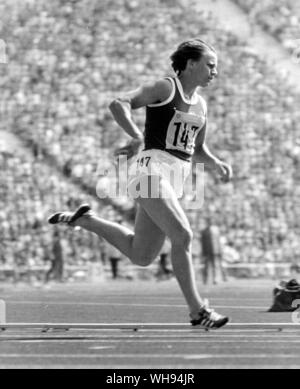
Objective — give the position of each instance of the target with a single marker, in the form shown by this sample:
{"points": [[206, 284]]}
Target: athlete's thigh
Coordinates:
{"points": [[148, 237], [166, 212]]}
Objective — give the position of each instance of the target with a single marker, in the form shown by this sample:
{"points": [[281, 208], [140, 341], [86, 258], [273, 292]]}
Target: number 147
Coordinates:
{"points": [[185, 134]]}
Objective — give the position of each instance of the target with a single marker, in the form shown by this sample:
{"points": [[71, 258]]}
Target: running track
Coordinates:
{"points": [[246, 301]]}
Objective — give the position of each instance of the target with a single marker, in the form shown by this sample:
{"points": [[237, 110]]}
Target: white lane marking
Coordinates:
{"points": [[114, 366], [45, 303], [182, 334], [239, 356], [153, 356], [176, 299], [210, 341], [91, 355], [194, 336]]}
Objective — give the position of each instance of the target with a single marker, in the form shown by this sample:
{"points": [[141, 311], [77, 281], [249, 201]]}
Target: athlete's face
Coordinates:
{"points": [[205, 70]]}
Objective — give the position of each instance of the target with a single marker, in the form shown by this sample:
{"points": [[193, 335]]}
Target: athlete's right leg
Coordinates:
{"points": [[167, 213]]}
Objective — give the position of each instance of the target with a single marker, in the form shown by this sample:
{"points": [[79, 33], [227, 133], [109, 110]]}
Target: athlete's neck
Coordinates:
{"points": [[188, 86]]}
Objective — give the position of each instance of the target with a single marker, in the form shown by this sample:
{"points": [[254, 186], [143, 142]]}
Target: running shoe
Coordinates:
{"points": [[69, 217], [209, 319]]}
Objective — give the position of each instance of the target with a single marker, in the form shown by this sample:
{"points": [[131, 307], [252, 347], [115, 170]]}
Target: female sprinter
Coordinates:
{"points": [[175, 128]]}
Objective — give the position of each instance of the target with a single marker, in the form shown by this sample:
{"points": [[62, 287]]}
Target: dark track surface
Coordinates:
{"points": [[246, 301]]}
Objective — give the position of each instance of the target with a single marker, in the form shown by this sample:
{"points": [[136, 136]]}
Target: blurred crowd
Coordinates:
{"points": [[30, 191], [281, 18], [67, 59]]}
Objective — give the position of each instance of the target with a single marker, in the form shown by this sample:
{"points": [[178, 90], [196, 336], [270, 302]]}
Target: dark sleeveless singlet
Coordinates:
{"points": [[174, 124]]}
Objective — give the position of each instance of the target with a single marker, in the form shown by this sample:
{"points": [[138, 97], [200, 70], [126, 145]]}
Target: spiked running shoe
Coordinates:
{"points": [[209, 319], [69, 217]]}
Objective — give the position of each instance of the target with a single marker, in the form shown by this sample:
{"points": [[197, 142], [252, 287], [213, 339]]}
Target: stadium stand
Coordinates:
{"points": [[280, 18], [67, 59], [31, 190]]}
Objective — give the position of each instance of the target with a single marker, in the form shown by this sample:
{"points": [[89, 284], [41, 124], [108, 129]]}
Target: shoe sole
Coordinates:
{"points": [[54, 219]]}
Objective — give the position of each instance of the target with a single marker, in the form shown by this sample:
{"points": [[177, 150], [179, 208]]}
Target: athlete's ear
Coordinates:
{"points": [[190, 63]]}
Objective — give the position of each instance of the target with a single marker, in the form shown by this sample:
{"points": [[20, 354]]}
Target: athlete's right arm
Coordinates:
{"points": [[121, 110], [147, 94]]}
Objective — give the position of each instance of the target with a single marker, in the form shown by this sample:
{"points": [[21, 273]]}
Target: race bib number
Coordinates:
{"points": [[143, 161], [183, 130], [142, 165]]}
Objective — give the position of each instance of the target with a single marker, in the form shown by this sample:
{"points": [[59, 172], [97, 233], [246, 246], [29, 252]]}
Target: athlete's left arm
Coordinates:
{"points": [[203, 155]]}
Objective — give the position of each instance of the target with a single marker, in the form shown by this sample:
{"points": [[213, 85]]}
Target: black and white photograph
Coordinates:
{"points": [[150, 187]]}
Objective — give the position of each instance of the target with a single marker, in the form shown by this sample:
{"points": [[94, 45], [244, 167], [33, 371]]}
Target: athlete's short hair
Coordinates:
{"points": [[191, 49]]}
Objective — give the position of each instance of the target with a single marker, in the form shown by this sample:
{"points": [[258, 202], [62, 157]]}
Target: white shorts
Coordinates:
{"points": [[156, 164]]}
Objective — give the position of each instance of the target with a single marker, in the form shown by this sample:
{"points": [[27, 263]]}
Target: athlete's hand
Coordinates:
{"points": [[131, 148], [224, 170]]}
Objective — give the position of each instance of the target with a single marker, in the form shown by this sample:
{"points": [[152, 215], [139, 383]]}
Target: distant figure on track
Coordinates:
{"points": [[57, 263], [212, 252], [114, 257], [164, 271], [175, 130]]}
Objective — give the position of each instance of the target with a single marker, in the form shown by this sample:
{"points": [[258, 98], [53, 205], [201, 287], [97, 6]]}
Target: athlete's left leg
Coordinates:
{"points": [[141, 246]]}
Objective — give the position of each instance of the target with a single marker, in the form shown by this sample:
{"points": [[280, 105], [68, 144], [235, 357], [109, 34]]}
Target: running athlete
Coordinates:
{"points": [[175, 130]]}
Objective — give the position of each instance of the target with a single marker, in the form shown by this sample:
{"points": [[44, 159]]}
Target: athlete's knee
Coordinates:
{"points": [[182, 237]]}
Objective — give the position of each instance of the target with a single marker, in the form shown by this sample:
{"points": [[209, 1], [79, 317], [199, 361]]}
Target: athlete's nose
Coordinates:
{"points": [[214, 72]]}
